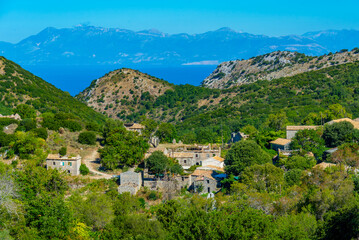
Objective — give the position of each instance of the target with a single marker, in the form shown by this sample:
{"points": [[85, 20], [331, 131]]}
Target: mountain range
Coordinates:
{"points": [[89, 45]]}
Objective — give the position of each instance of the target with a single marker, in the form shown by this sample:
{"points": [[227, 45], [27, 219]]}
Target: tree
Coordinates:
{"points": [[157, 162], [292, 177], [63, 151], [88, 138], [277, 121], [166, 132], [122, 147], [266, 177], [336, 111], [26, 125], [347, 154], [150, 127], [40, 132], [96, 210], [338, 133], [300, 226], [343, 224], [300, 162], [250, 130], [28, 146], [244, 154], [309, 141], [25, 111]]}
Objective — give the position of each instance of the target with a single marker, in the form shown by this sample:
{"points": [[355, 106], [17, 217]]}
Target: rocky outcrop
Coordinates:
{"points": [[273, 66]]}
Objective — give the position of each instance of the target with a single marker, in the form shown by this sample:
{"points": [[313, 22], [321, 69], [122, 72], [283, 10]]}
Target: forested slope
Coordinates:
{"points": [[205, 113], [18, 86]]}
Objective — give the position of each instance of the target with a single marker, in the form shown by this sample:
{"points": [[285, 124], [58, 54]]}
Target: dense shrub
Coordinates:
{"points": [[88, 138], [40, 132], [63, 151], [84, 170]]}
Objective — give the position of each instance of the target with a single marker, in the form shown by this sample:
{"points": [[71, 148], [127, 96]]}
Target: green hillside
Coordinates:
{"points": [[19, 86], [200, 112]]}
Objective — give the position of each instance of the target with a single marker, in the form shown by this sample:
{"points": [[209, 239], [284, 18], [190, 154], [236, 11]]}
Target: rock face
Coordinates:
{"points": [[119, 91], [273, 66]]}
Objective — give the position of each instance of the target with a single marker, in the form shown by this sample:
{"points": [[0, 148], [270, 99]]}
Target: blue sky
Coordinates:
{"points": [[19, 19]]}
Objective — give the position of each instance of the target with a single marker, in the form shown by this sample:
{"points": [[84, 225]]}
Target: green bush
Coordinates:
{"points": [[84, 170], [73, 126], [41, 133], [88, 138], [63, 151], [152, 196]]}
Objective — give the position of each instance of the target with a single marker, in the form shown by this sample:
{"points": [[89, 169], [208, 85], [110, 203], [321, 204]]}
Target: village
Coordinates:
{"points": [[203, 165]]}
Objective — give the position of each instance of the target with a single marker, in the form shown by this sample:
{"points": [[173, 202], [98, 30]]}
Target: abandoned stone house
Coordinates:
{"points": [[355, 122], [292, 130], [130, 182], [205, 181], [280, 144], [135, 127], [69, 164], [237, 136], [195, 155]]}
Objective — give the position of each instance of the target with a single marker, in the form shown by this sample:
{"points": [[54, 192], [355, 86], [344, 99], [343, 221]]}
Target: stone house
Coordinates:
{"points": [[69, 164], [237, 136], [205, 179], [292, 130], [185, 159], [280, 144], [355, 122], [130, 182], [135, 127], [193, 155]]}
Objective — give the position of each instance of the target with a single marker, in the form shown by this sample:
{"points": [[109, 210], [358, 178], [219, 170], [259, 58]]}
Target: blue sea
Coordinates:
{"points": [[74, 79]]}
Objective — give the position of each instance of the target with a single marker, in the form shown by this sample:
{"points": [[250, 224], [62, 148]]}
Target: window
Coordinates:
{"points": [[54, 163], [68, 171], [70, 164], [185, 161], [209, 190], [197, 156], [208, 181], [62, 164]]}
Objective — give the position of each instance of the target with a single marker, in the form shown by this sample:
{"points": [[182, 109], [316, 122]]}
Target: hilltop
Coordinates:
{"points": [[18, 86], [89, 45], [273, 66], [117, 93]]}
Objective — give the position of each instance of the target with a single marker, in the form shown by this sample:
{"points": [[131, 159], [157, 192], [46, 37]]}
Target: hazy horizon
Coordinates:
{"points": [[19, 19]]}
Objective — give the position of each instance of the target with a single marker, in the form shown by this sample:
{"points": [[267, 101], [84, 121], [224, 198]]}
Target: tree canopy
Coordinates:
{"points": [[244, 154]]}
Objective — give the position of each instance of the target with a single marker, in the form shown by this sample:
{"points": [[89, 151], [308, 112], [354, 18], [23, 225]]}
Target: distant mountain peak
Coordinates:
{"points": [[225, 29]]}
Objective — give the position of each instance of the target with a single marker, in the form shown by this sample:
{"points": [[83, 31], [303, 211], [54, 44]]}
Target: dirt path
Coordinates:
{"points": [[92, 161]]}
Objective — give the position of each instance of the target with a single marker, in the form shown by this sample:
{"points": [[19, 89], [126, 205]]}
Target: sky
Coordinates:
{"points": [[22, 18]]}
